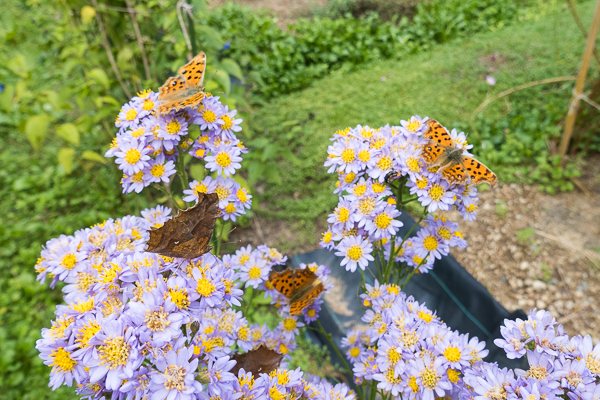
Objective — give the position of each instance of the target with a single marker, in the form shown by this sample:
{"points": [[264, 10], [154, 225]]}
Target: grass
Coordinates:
{"points": [[447, 83]]}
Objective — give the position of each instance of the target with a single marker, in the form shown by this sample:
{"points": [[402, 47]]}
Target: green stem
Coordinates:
{"points": [[335, 347]]}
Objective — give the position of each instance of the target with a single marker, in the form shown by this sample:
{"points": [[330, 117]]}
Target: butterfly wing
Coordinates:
{"points": [[259, 360], [187, 235], [185, 89], [454, 173], [290, 280], [193, 71], [437, 133], [432, 152], [297, 305], [478, 171]]}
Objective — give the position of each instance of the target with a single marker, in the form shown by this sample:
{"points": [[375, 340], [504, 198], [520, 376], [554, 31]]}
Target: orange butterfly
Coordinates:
{"points": [[455, 167], [300, 286], [185, 89]]}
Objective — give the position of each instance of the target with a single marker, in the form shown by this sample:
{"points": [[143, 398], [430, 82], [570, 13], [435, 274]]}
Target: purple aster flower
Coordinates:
{"points": [[356, 252], [175, 376]]}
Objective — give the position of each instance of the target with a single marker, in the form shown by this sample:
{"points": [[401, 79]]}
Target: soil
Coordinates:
{"points": [[286, 11]]}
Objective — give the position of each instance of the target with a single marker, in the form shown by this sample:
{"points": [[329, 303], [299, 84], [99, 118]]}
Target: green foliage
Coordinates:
{"points": [[280, 61], [513, 135]]}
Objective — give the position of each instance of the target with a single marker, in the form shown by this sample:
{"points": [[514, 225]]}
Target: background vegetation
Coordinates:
{"points": [[354, 62]]}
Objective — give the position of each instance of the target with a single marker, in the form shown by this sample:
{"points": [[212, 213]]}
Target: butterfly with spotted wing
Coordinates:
{"points": [[185, 89], [187, 235], [300, 286], [455, 167]]}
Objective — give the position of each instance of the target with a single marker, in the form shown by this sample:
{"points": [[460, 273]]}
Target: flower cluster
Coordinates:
{"points": [[366, 219], [407, 351], [140, 325], [148, 148]]}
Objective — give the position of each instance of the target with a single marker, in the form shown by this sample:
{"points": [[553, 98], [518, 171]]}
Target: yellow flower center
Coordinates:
{"points": [[354, 352], [444, 233], [593, 364], [174, 377], [205, 287], [148, 105], [222, 192], [114, 352], [394, 355], [242, 195], [436, 192], [537, 372], [425, 316], [413, 125], [87, 331], [382, 221], [421, 183], [223, 159], [62, 360], [136, 133], [137, 177], [229, 208], [254, 272], [157, 320], [359, 190], [452, 354], [412, 383], [173, 127], [366, 133], [413, 164], [354, 252], [366, 205], [430, 243], [200, 188], [132, 156], [350, 177], [130, 114], [343, 214], [364, 156], [327, 237], [384, 163], [179, 297], [378, 187], [430, 378], [83, 306], [157, 170], [289, 324], [378, 144], [227, 122], [209, 116], [348, 156], [244, 258], [69, 261], [453, 375]]}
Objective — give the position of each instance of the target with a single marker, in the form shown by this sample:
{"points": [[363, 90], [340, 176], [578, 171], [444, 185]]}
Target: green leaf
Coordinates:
{"points": [[66, 159], [197, 171], [99, 76], [36, 129], [124, 56], [209, 37], [232, 68], [223, 80], [90, 155], [68, 132]]}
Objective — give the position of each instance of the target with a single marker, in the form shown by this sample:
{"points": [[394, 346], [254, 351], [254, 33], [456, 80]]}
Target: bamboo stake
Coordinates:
{"points": [[579, 83], [573, 9]]}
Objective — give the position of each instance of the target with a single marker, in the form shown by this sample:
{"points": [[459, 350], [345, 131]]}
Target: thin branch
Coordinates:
{"points": [[580, 83], [589, 101], [518, 88], [138, 37], [573, 9], [183, 6], [108, 50]]}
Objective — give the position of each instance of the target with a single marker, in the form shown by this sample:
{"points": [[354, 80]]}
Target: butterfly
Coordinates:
{"points": [[300, 286], [455, 167], [187, 235], [185, 89], [259, 360]]}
